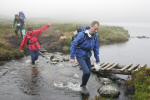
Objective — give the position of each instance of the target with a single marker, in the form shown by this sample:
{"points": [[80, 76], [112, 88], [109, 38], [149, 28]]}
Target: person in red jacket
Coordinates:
{"points": [[32, 40]]}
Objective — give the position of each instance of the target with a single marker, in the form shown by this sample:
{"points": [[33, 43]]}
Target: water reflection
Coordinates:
{"points": [[84, 97], [35, 72], [30, 84], [34, 86]]}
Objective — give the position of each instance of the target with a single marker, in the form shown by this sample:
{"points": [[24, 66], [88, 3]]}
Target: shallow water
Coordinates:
{"points": [[20, 81]]}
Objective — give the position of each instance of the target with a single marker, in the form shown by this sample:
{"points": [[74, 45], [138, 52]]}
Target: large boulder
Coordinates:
{"points": [[109, 91]]}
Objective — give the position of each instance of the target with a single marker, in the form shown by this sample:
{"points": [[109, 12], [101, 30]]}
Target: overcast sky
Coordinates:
{"points": [[84, 10]]}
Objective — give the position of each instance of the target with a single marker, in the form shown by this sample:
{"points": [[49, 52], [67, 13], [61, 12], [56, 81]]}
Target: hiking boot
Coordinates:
{"points": [[32, 63], [33, 66], [84, 90], [37, 61]]}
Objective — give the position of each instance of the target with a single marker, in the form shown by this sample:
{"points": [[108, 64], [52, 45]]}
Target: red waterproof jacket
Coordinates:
{"points": [[32, 39]]}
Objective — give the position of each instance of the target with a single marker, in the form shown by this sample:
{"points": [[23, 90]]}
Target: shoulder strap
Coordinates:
{"points": [[85, 36]]}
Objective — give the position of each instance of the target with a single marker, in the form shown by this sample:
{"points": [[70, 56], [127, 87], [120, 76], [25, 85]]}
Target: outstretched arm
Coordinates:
{"points": [[41, 30]]}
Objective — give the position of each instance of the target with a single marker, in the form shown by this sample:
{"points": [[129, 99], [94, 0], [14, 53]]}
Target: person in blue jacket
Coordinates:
{"points": [[81, 49]]}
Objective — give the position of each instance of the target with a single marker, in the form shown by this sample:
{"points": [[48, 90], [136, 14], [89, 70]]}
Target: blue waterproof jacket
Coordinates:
{"points": [[82, 46]]}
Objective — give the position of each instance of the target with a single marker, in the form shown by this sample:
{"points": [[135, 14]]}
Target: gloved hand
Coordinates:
{"points": [[97, 66]]}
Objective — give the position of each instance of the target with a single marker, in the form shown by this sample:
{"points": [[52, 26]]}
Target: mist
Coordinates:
{"points": [[79, 10]]}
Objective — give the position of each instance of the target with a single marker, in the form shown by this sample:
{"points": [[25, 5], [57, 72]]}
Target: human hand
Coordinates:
{"points": [[49, 24], [72, 60], [97, 66]]}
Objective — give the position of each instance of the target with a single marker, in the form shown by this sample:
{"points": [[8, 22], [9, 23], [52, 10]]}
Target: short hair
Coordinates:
{"points": [[94, 23], [29, 28], [16, 15]]}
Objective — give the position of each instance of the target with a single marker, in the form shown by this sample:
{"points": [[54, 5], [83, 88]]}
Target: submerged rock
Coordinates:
{"points": [[141, 37], [76, 76]]}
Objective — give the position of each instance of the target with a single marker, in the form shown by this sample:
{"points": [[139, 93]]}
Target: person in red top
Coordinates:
{"points": [[32, 40]]}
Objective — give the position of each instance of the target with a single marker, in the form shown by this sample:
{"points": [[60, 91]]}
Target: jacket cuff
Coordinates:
{"points": [[97, 60], [72, 57]]}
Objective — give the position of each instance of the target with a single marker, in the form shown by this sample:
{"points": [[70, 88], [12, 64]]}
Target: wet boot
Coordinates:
{"points": [[84, 90]]}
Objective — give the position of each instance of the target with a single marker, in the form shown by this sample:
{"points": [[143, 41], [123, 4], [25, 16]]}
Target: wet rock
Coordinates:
{"points": [[59, 84], [58, 58], [141, 37], [73, 86], [3, 72], [76, 76], [42, 50], [109, 91], [105, 81], [54, 60], [66, 59]]}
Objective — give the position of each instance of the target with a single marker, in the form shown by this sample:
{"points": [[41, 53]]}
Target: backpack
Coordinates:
{"points": [[79, 29], [82, 29], [22, 16]]}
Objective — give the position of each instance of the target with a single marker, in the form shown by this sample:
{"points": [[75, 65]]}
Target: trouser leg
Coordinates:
{"points": [[85, 68]]}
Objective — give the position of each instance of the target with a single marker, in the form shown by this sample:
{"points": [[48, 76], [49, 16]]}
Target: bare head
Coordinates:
{"points": [[30, 29], [94, 27], [16, 16]]}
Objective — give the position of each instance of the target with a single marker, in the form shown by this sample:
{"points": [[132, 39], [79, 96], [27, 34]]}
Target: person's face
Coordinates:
{"points": [[30, 30], [94, 29], [17, 17]]}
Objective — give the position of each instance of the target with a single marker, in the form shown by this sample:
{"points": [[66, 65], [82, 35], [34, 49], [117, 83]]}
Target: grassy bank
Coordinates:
{"points": [[141, 82], [7, 50], [51, 39], [113, 34], [107, 34]]}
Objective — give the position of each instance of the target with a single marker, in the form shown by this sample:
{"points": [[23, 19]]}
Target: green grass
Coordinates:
{"points": [[108, 34], [141, 82], [7, 51], [112, 34]]}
